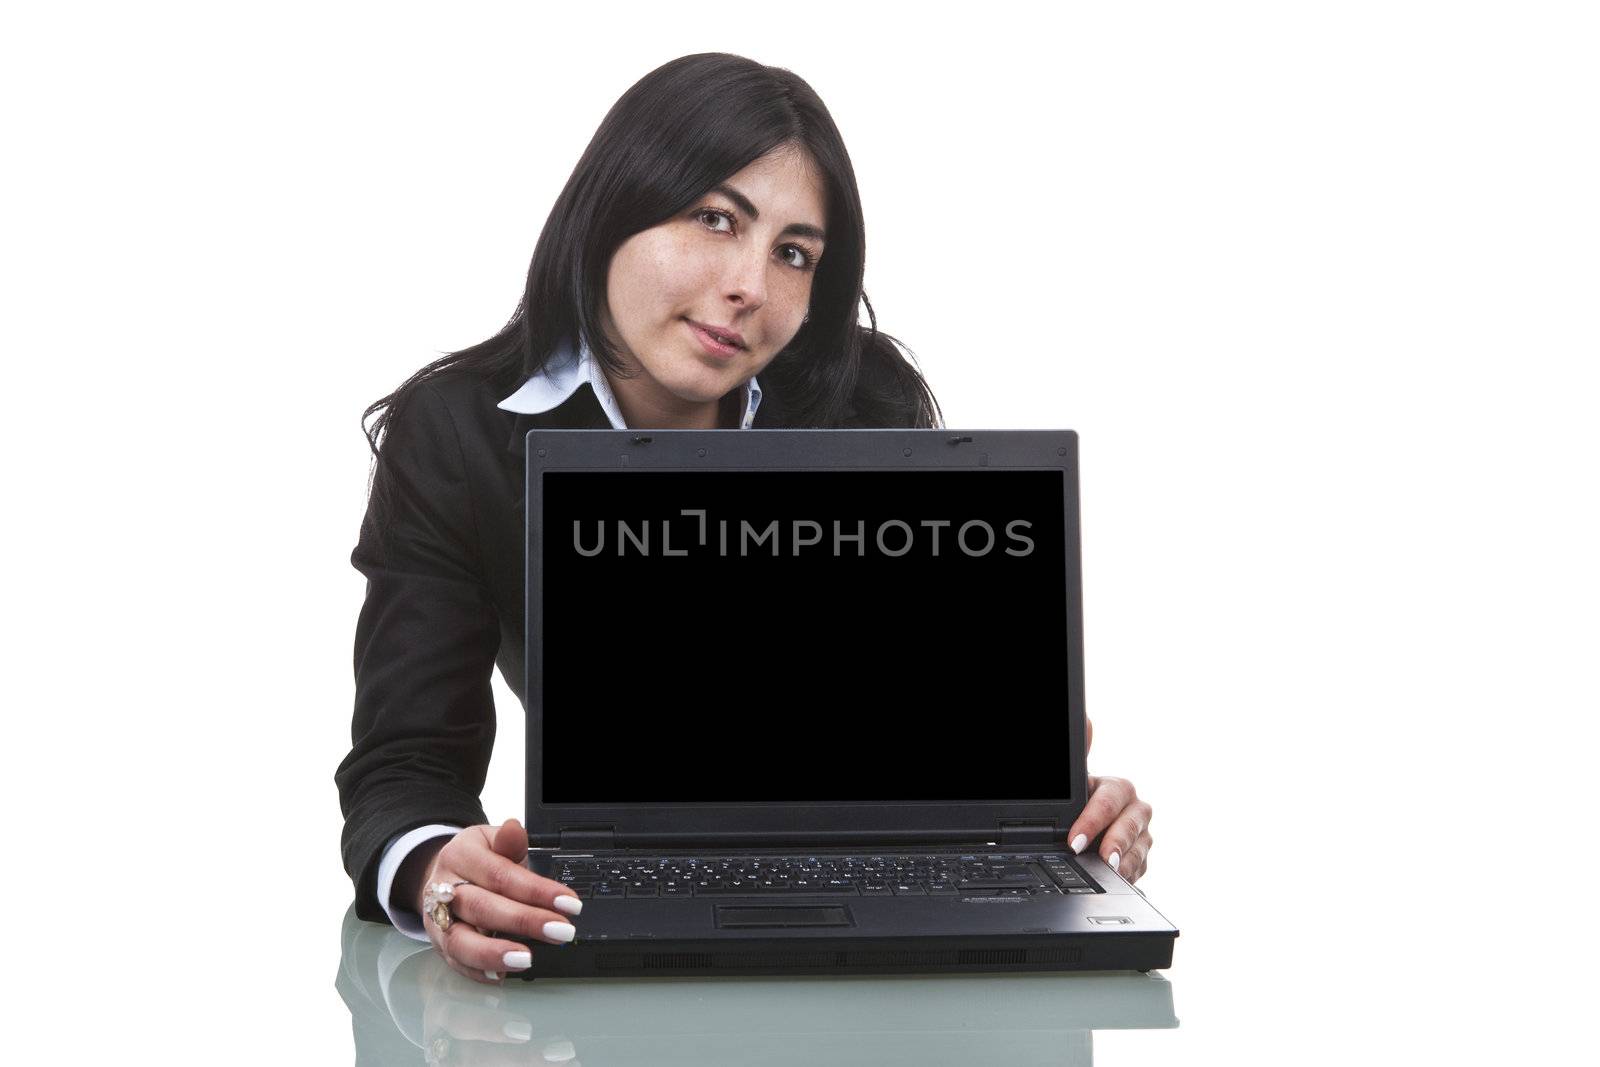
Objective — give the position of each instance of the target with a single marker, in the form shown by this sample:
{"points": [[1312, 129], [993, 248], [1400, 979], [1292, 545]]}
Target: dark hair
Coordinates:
{"points": [[677, 132]]}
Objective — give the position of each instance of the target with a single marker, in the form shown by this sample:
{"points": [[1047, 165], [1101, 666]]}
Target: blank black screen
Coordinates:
{"points": [[762, 653]]}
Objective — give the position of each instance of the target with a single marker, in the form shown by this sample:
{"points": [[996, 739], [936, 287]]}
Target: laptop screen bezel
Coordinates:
{"points": [[740, 824]]}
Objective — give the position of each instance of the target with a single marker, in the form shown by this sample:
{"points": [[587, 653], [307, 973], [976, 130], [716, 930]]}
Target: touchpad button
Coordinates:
{"points": [[733, 915]]}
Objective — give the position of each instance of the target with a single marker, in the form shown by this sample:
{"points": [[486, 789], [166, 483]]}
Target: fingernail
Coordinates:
{"points": [[1079, 842], [492, 976], [1116, 858], [518, 961], [560, 931], [518, 1030], [570, 905], [560, 1051]]}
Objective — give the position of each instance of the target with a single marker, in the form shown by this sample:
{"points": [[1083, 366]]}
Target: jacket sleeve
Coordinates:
{"points": [[407, 920], [425, 645]]}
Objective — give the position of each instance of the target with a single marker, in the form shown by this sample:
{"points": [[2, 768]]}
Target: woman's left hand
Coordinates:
{"points": [[1114, 810]]}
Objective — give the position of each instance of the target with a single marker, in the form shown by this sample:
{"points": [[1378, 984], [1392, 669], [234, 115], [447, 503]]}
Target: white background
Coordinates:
{"points": [[1315, 283]]}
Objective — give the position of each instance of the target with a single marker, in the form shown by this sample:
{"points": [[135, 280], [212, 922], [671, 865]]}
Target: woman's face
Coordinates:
{"points": [[740, 261]]}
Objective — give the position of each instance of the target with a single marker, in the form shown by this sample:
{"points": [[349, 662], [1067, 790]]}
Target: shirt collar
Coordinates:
{"points": [[567, 369]]}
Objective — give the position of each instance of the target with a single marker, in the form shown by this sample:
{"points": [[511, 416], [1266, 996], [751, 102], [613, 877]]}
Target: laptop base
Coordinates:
{"points": [[707, 958]]}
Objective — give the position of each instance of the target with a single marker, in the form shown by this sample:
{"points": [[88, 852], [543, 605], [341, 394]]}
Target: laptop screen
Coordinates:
{"points": [[804, 636]]}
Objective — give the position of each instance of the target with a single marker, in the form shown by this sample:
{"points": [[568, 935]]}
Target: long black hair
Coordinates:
{"points": [[677, 132]]}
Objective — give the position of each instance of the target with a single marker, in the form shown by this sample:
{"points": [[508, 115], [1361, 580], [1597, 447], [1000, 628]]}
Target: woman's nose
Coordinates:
{"points": [[744, 279]]}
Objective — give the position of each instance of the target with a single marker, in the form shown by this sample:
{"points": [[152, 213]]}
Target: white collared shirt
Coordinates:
{"points": [[563, 373]]}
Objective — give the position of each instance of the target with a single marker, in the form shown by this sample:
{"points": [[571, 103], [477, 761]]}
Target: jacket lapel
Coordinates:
{"points": [[580, 411]]}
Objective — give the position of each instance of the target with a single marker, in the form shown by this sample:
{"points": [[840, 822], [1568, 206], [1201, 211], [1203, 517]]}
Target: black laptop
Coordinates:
{"points": [[811, 701]]}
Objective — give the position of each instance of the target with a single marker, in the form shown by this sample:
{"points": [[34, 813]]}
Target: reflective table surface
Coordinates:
{"points": [[407, 1006]]}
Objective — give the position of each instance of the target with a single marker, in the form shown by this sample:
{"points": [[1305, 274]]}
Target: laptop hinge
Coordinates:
{"points": [[593, 838], [588, 837], [1021, 833], [1013, 833]]}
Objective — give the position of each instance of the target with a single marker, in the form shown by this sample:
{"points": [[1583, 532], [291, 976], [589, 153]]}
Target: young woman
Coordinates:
{"points": [[701, 269]]}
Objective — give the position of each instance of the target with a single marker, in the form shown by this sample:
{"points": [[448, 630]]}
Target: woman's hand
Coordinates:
{"points": [[1115, 810], [504, 896]]}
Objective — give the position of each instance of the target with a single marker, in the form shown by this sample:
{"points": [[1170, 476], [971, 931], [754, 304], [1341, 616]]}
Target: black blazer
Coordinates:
{"points": [[444, 604]]}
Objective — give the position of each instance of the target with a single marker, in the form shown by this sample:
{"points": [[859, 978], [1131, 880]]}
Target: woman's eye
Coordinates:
{"points": [[802, 258], [716, 216]]}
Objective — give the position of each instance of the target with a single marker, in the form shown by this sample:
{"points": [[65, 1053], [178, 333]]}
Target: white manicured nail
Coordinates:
{"points": [[560, 931], [1079, 842], [1116, 858], [518, 961], [518, 1030], [570, 905], [492, 976], [560, 1051]]}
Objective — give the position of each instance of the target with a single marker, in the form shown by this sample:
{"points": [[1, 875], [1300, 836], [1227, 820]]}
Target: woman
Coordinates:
{"points": [[701, 269]]}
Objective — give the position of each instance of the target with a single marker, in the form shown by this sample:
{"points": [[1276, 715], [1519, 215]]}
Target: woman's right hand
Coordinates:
{"points": [[503, 896]]}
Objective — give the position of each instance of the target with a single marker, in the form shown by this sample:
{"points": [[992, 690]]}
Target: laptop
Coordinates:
{"points": [[811, 702]]}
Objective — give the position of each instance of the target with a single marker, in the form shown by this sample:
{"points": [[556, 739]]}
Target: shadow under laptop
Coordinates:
{"points": [[407, 1006]]}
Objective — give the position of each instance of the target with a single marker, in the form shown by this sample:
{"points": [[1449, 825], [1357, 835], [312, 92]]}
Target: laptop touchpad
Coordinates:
{"points": [[729, 915]]}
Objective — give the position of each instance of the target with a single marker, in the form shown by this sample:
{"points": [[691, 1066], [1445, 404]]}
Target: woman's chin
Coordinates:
{"points": [[698, 399], [702, 387]]}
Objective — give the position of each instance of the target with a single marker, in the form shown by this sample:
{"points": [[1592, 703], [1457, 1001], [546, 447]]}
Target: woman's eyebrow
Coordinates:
{"points": [[742, 202]]}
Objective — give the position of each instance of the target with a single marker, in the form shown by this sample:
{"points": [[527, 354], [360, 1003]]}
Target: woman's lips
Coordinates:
{"points": [[713, 346]]}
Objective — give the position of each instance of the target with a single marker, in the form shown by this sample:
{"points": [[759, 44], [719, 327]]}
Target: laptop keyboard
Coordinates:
{"points": [[934, 875]]}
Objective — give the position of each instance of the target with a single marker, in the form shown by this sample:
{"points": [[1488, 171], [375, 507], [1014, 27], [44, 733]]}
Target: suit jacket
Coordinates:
{"points": [[444, 605]]}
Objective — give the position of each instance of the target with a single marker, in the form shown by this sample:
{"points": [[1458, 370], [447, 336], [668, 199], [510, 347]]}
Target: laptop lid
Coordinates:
{"points": [[803, 637]]}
